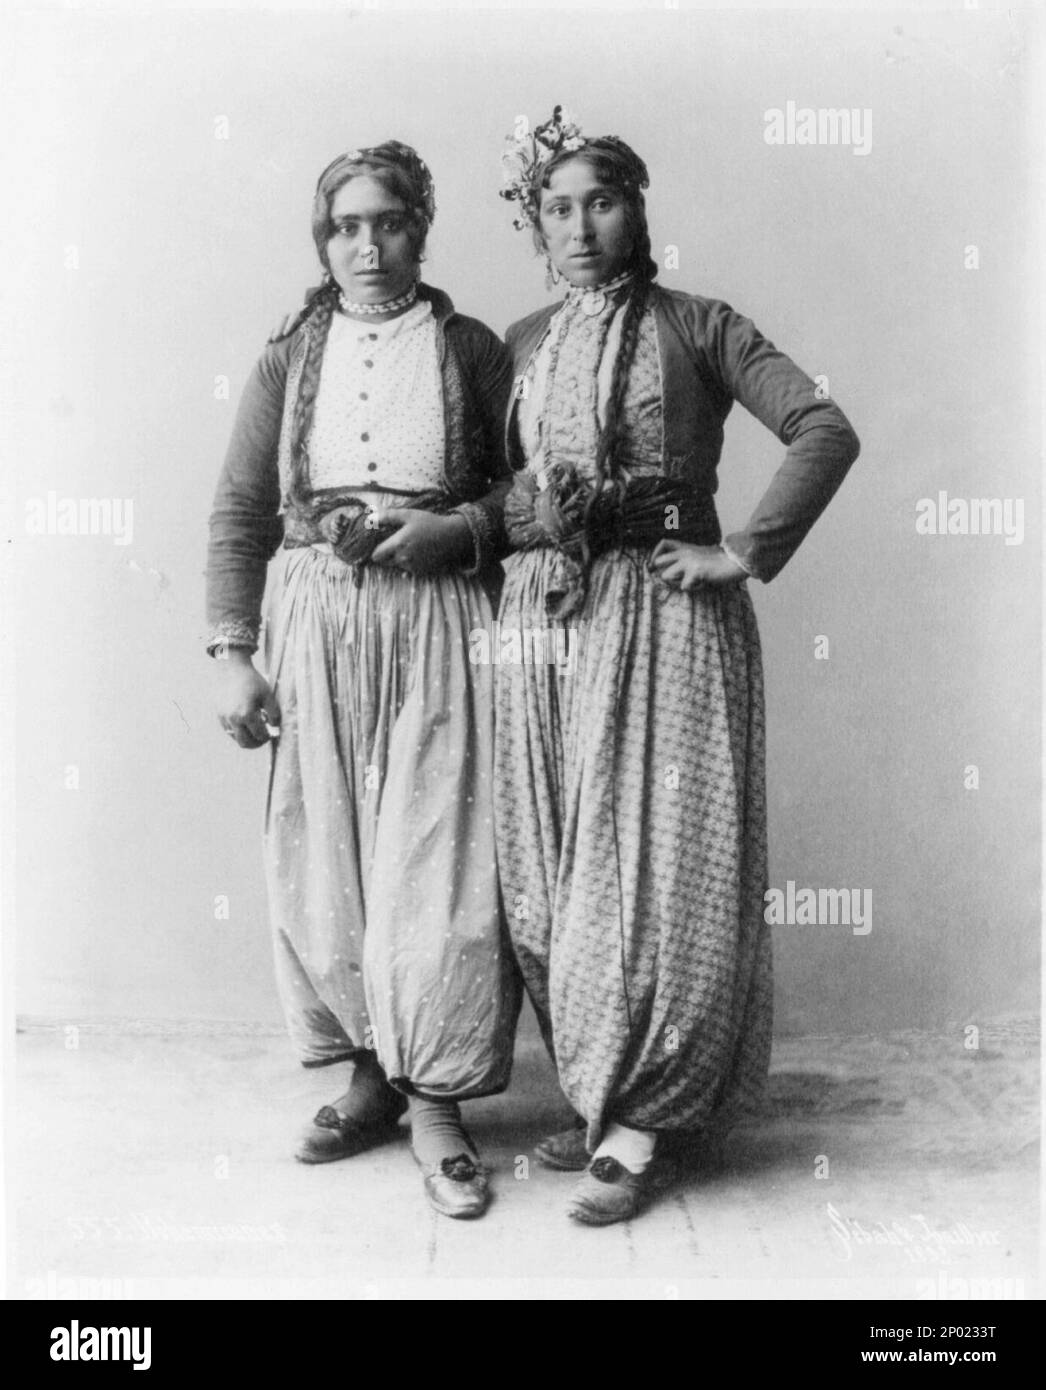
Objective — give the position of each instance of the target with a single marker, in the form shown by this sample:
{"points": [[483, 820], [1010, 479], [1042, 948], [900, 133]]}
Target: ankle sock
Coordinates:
{"points": [[436, 1131], [633, 1148]]}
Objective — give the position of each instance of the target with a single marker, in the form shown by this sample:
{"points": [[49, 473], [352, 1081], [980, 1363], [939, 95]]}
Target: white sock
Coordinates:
{"points": [[633, 1148]]}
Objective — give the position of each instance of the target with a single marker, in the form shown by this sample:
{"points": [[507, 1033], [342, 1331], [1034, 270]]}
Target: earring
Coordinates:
{"points": [[552, 276]]}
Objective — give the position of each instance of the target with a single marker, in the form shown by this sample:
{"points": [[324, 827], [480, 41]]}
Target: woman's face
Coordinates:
{"points": [[371, 249], [585, 225]]}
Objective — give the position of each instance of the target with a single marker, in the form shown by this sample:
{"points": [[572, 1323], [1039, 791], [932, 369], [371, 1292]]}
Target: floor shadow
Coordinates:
{"points": [[798, 1095]]}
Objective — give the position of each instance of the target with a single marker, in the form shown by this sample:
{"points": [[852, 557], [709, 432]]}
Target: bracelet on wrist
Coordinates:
{"points": [[220, 650]]}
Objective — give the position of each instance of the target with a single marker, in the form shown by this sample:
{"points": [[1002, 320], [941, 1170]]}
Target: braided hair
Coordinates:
{"points": [[319, 310]]}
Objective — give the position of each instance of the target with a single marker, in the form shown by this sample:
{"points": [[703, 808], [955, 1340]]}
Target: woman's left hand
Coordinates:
{"points": [[424, 542], [685, 566]]}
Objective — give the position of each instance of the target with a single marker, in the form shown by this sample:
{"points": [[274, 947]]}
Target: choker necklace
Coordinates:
{"points": [[593, 298], [389, 306]]}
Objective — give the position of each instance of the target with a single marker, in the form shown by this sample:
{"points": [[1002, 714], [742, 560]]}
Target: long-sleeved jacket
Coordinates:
{"points": [[253, 497], [710, 357]]}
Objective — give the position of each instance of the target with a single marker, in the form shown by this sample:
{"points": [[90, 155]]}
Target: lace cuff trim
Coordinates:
{"points": [[235, 632], [732, 554], [479, 523]]}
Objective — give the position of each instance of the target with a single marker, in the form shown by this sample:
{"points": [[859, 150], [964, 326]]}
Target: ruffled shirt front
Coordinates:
{"points": [[562, 417], [378, 418]]}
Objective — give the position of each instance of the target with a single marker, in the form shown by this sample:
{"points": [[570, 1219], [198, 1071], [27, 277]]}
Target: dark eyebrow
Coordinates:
{"points": [[369, 214], [600, 191]]}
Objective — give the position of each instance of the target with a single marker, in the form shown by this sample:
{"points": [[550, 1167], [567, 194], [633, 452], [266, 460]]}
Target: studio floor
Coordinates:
{"points": [[157, 1162]]}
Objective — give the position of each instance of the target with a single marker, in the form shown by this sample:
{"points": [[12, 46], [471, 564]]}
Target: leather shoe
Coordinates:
{"points": [[567, 1153], [333, 1135], [457, 1186], [564, 1151], [607, 1192]]}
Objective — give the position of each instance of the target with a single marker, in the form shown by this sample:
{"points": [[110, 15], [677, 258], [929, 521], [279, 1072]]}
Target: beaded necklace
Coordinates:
{"points": [[389, 306]]}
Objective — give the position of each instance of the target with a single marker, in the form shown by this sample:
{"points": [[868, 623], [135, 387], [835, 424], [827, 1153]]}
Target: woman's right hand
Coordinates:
{"points": [[247, 706]]}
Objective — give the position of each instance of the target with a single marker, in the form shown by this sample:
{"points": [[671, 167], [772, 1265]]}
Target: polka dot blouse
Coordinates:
{"points": [[378, 417]]}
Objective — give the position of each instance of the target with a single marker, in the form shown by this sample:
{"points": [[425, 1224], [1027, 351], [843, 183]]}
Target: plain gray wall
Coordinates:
{"points": [[190, 247]]}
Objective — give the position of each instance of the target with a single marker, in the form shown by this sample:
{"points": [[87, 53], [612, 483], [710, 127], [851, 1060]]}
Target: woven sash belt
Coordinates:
{"points": [[581, 524], [349, 528]]}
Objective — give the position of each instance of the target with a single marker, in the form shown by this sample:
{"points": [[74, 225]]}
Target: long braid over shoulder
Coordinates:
{"points": [[318, 312], [626, 354]]}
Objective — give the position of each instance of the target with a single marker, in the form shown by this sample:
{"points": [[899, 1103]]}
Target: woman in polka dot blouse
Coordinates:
{"points": [[369, 442]]}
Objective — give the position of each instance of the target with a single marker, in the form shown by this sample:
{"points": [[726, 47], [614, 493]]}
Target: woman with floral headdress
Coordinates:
{"points": [[369, 441], [629, 791]]}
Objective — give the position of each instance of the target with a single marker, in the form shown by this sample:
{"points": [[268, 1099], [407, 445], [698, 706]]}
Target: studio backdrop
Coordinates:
{"points": [[166, 168]]}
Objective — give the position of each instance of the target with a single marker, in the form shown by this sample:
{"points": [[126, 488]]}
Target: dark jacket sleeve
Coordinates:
{"points": [[489, 367], [821, 442], [246, 528]]}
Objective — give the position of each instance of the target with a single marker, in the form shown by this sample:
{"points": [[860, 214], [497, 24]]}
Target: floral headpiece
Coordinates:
{"points": [[524, 161]]}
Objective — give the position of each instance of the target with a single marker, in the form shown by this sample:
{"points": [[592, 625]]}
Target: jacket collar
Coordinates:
{"points": [[442, 308], [522, 339]]}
